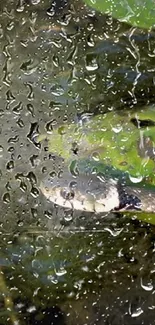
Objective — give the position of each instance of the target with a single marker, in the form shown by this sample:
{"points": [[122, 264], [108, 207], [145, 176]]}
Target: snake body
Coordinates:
{"points": [[97, 192]]}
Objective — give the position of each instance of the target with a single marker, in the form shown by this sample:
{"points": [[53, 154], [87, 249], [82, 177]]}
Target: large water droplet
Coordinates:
{"points": [[148, 287], [34, 192], [14, 139], [57, 90], [1, 148], [73, 168], [91, 65], [17, 108], [60, 272], [117, 129], [30, 108], [49, 127], [96, 156], [32, 178], [137, 312], [34, 159], [68, 216], [30, 95], [29, 66], [33, 134], [114, 232], [10, 165], [135, 180], [23, 186], [6, 198]]}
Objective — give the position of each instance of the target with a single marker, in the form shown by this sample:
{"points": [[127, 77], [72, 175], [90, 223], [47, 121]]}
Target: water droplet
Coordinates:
{"points": [[32, 178], [1, 32], [11, 149], [10, 26], [84, 118], [29, 66], [85, 268], [10, 165], [30, 95], [19, 176], [61, 130], [9, 96], [35, 2], [90, 41], [75, 148], [6, 198], [1, 112], [60, 272], [48, 215], [51, 11], [148, 287], [57, 90], [7, 73], [137, 313], [23, 186], [18, 108], [1, 148], [44, 170], [91, 65], [96, 156], [30, 108], [49, 127], [34, 213], [20, 223], [34, 160], [56, 61], [34, 192], [24, 42], [78, 284], [53, 174], [8, 186], [135, 180], [33, 134], [114, 232], [117, 128], [20, 6], [68, 216], [20, 123], [73, 168], [13, 139], [52, 278]]}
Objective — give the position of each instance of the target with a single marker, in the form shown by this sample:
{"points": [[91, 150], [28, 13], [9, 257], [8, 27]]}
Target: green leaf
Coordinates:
{"points": [[138, 13], [124, 140]]}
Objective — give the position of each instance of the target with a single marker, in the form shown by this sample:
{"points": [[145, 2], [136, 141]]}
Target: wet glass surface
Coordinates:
{"points": [[57, 61]]}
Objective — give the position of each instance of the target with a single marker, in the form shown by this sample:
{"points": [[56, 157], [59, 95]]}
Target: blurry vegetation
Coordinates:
{"points": [[52, 269], [137, 13]]}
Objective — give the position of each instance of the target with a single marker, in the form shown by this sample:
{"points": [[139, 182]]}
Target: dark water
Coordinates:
{"points": [[58, 61]]}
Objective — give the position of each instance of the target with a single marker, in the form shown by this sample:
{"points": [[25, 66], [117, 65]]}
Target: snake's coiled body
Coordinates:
{"points": [[97, 192]]}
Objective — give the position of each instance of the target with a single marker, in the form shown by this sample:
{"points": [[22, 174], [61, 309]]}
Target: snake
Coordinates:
{"points": [[124, 141], [97, 190]]}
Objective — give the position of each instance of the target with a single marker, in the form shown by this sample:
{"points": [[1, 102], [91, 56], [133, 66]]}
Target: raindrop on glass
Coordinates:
{"points": [[10, 165], [32, 178], [135, 180], [6, 198], [96, 156], [34, 192], [57, 90], [23, 186], [91, 65]]}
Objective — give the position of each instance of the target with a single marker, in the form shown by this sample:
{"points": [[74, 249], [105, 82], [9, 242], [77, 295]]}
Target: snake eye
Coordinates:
{"points": [[67, 194]]}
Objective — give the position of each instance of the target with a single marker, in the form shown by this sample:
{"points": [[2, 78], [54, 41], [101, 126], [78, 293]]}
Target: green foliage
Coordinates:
{"points": [[124, 141], [138, 13]]}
